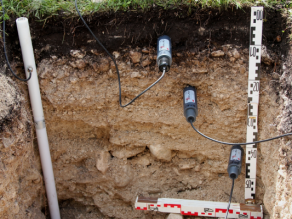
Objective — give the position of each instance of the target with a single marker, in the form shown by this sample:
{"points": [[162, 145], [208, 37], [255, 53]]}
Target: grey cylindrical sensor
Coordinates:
{"points": [[190, 104], [164, 57], [235, 161]]}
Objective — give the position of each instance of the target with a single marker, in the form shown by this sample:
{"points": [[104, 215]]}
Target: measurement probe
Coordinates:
{"points": [[164, 58], [191, 112]]}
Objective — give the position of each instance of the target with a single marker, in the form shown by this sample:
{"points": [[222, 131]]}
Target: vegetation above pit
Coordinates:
{"points": [[41, 9]]}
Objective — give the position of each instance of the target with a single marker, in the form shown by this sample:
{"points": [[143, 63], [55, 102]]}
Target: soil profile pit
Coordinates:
{"points": [[104, 156]]}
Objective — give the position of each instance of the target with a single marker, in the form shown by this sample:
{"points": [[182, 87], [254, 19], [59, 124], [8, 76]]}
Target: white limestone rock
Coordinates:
{"points": [[160, 152]]}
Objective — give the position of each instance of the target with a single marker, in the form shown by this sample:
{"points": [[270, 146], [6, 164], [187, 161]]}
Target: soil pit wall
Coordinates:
{"points": [[21, 186], [104, 156]]}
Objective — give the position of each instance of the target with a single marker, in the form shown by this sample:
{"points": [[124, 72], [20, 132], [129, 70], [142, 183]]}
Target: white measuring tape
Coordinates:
{"points": [[255, 48]]}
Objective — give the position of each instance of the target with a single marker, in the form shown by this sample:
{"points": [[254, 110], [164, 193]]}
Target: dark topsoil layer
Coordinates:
{"points": [[123, 29]]}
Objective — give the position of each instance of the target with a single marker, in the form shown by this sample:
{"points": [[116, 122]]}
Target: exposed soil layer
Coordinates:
{"points": [[199, 29], [104, 156], [21, 186]]}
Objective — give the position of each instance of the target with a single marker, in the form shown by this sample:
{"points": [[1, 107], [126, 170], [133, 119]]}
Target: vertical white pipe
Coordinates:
{"points": [[38, 114]]}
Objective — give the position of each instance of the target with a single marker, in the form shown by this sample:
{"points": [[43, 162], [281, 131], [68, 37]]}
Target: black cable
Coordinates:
{"points": [[222, 142], [120, 95], [230, 198], [5, 53]]}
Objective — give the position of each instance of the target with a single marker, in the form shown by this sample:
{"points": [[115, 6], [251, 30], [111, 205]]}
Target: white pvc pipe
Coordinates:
{"points": [[38, 114]]}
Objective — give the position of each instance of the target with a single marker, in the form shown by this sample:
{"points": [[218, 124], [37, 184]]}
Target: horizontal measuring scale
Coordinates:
{"points": [[199, 208], [255, 49]]}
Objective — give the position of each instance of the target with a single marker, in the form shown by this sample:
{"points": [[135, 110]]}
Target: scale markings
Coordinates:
{"points": [[255, 50]]}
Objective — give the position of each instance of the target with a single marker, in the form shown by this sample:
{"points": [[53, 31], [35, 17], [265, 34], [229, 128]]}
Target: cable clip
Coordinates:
{"points": [[30, 69], [40, 124]]}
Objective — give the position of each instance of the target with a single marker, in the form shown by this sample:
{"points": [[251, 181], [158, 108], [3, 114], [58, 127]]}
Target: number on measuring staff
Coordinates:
{"points": [[260, 15], [256, 86], [253, 51], [250, 122], [248, 184], [253, 153]]}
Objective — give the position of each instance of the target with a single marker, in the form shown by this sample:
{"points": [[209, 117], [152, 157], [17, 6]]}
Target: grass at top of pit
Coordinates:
{"points": [[41, 9]]}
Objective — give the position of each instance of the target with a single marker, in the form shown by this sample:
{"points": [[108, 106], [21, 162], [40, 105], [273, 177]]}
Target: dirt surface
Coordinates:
{"points": [[104, 156]]}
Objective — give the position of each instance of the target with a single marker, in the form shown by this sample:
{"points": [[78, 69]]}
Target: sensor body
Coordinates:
{"points": [[164, 50], [190, 104], [235, 161]]}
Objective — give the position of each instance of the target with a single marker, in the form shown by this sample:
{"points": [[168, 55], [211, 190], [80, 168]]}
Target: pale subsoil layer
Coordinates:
{"points": [[21, 186], [105, 156]]}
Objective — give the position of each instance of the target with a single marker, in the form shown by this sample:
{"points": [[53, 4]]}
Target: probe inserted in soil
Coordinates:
{"points": [[235, 161], [191, 112], [164, 58], [5, 53], [234, 168]]}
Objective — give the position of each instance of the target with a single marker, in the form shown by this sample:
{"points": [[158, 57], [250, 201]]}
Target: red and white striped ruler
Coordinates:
{"points": [[199, 208]]}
